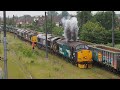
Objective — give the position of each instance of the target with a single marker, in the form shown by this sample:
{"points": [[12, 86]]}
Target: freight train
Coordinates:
{"points": [[80, 53], [75, 52]]}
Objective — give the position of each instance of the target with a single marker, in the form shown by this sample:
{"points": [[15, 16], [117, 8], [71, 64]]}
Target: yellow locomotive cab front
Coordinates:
{"points": [[84, 59]]}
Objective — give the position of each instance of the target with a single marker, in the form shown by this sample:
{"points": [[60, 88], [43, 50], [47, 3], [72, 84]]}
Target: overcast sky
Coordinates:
{"points": [[35, 13]]}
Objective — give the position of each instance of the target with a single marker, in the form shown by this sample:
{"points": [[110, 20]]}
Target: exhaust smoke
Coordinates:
{"points": [[70, 28]]}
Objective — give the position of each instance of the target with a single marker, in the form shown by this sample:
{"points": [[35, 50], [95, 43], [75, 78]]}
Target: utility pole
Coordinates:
{"points": [[0, 30], [13, 25], [0, 34], [51, 23], [5, 47], [113, 29], [46, 35], [25, 22], [13, 20]]}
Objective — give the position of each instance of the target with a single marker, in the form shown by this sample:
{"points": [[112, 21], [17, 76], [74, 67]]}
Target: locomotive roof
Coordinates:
{"points": [[70, 43], [54, 38], [43, 36]]}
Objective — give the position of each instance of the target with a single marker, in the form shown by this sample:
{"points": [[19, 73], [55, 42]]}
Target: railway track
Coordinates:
{"points": [[23, 68]]}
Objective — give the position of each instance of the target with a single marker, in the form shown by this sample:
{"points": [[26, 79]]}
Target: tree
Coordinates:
{"points": [[64, 13], [53, 13], [83, 17], [58, 31], [49, 25], [35, 22], [105, 19], [93, 32]]}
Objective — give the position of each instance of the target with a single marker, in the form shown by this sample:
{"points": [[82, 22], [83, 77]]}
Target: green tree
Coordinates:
{"points": [[35, 23], [83, 17], [49, 25], [64, 14], [93, 32], [58, 31], [53, 13], [105, 19]]}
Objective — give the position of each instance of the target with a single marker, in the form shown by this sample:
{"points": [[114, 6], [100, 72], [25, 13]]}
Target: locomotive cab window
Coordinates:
{"points": [[81, 46]]}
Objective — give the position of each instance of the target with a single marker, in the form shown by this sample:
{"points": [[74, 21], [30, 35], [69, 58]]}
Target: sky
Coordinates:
{"points": [[36, 13]]}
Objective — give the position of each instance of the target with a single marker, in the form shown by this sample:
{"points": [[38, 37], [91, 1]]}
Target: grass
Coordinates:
{"points": [[24, 63]]}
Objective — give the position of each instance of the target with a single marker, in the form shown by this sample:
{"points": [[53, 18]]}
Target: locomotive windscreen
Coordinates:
{"points": [[81, 46]]}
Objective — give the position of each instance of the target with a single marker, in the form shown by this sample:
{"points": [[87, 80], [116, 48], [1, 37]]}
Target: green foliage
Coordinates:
{"points": [[53, 13], [64, 13], [83, 17], [108, 38], [105, 19], [19, 25], [92, 32], [57, 31], [25, 51], [50, 26], [29, 26], [95, 33], [40, 29], [109, 44], [117, 37]]}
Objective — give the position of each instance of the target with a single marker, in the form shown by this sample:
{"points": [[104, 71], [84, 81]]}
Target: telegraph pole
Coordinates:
{"points": [[25, 22], [0, 34], [113, 29], [13, 25], [13, 20], [5, 47], [51, 23], [46, 35], [0, 31]]}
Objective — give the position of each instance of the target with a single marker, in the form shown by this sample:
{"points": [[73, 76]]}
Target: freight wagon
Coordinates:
{"points": [[107, 56]]}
